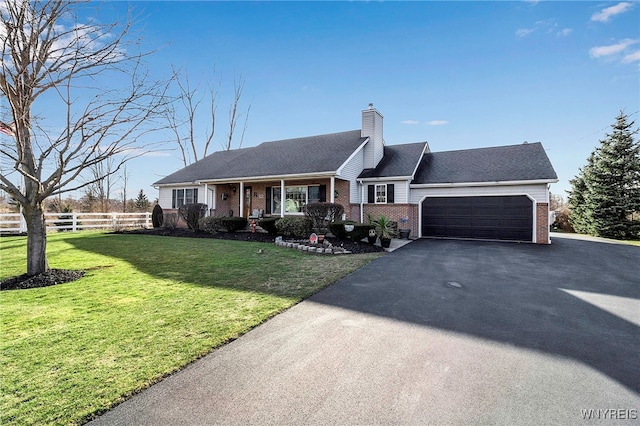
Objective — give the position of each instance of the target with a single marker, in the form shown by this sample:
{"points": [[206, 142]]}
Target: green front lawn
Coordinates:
{"points": [[146, 307]]}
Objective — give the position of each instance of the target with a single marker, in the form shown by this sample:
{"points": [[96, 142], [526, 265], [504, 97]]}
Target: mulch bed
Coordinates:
{"points": [[51, 277], [261, 237]]}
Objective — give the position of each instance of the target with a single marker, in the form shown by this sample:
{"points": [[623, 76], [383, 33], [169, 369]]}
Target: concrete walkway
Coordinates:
{"points": [[436, 332]]}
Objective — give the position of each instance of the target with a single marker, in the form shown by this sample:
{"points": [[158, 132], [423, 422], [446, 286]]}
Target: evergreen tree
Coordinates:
{"points": [[142, 202], [605, 195]]}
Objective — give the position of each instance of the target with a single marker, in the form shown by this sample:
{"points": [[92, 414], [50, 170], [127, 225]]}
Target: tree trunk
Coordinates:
{"points": [[36, 240]]}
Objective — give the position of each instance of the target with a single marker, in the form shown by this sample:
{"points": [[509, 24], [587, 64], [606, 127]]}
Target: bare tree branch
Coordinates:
{"points": [[47, 50]]}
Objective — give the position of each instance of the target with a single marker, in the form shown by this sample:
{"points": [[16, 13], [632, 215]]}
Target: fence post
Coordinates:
{"points": [[148, 216], [74, 222], [114, 221], [23, 223]]}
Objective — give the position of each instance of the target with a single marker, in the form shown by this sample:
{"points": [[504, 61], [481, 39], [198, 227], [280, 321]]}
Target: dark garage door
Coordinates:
{"points": [[489, 218]]}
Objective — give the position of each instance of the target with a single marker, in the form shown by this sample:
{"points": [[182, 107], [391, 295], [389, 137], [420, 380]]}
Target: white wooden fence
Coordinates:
{"points": [[12, 223]]}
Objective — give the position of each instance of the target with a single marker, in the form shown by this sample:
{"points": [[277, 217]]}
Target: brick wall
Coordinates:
{"points": [[395, 212], [542, 223]]}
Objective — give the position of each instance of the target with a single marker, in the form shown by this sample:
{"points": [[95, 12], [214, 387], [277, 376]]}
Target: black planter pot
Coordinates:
{"points": [[404, 233], [385, 242], [372, 240]]}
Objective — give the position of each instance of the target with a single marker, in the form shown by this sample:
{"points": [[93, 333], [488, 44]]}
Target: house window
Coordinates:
{"points": [[381, 194], [181, 197], [296, 197]]}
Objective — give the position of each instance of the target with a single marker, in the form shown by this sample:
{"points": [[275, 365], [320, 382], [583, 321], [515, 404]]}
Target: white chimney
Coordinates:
{"points": [[372, 128]]}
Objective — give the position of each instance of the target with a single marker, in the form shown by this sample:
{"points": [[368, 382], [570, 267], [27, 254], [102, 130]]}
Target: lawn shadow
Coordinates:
{"points": [[244, 266], [535, 297]]}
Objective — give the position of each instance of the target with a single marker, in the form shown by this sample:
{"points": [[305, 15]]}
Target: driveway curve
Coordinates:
{"points": [[436, 332]]}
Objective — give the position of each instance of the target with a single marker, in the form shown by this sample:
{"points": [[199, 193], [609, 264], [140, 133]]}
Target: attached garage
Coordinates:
{"points": [[478, 217]]}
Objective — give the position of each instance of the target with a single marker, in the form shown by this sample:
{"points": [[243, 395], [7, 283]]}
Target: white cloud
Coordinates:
{"points": [[607, 13], [565, 32], [612, 49], [410, 122], [437, 122], [631, 57], [523, 32]]}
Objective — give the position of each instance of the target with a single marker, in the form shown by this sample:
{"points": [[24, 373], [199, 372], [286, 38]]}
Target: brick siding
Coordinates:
{"points": [[542, 223]]}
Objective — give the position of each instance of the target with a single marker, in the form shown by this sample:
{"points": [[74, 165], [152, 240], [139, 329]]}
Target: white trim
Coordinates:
{"points": [[386, 179], [375, 193], [333, 190], [361, 200], [424, 151], [241, 199], [495, 183], [249, 179], [353, 154], [283, 197]]}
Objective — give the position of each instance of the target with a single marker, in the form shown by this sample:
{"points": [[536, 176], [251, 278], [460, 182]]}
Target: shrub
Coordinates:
{"points": [[210, 224], [360, 231], [292, 226], [66, 220], [192, 213], [233, 223], [563, 221], [157, 216], [171, 221], [337, 228], [322, 214], [269, 224]]}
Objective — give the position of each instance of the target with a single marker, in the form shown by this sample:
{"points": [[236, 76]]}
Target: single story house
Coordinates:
{"points": [[495, 193]]}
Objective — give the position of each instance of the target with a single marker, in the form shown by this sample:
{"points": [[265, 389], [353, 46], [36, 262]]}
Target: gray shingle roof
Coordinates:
{"points": [[398, 160], [314, 154], [494, 164]]}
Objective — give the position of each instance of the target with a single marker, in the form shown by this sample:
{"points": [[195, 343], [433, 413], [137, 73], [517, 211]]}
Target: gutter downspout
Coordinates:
{"points": [[361, 201]]}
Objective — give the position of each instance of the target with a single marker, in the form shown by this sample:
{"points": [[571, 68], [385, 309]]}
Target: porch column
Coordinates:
{"points": [[241, 199], [283, 197], [332, 197], [206, 200]]}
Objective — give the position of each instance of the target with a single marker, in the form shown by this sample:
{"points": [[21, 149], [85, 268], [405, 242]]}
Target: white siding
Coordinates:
{"points": [[166, 192], [164, 197], [537, 192], [372, 128], [350, 171]]}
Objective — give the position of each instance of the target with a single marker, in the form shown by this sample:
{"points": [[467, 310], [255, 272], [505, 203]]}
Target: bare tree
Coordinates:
{"points": [[184, 119], [46, 50], [103, 180], [125, 180], [234, 115]]}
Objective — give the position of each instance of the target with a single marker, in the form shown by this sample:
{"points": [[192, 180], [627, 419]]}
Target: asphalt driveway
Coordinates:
{"points": [[437, 332]]}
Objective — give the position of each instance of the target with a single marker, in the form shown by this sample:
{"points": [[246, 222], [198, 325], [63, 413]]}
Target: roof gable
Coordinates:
{"points": [[523, 162], [398, 160]]}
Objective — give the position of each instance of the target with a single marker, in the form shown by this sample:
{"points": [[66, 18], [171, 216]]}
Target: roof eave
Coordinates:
{"points": [[486, 183]]}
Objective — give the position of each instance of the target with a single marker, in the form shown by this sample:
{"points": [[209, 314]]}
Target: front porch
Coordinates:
{"points": [[274, 197]]}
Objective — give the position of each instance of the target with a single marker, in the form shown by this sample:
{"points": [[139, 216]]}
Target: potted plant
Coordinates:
{"points": [[404, 231], [384, 229]]}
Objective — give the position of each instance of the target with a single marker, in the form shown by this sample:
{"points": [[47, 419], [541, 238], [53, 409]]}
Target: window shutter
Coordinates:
{"points": [[267, 209], [390, 191], [322, 193], [371, 198]]}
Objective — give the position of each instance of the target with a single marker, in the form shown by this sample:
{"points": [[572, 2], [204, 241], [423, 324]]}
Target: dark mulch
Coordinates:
{"points": [[51, 277], [261, 237]]}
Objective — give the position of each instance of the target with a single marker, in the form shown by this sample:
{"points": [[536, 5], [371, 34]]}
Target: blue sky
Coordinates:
{"points": [[456, 74]]}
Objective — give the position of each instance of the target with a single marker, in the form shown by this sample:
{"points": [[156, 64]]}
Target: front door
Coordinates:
{"points": [[247, 201]]}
